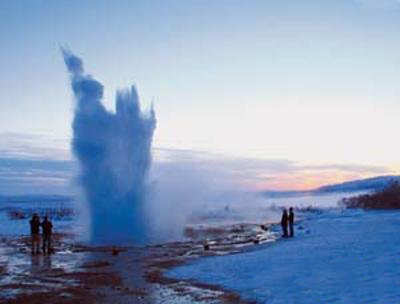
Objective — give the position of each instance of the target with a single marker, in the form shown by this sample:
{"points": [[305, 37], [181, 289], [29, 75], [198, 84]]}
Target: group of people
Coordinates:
{"points": [[287, 221], [47, 228]]}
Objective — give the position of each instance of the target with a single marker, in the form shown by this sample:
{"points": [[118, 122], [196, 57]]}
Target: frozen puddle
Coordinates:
{"points": [[338, 257]]}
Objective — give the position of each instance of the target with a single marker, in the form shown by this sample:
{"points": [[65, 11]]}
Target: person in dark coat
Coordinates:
{"points": [[47, 227], [35, 224], [284, 223], [291, 222]]}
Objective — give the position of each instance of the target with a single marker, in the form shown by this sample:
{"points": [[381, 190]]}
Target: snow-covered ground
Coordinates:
{"points": [[337, 256]]}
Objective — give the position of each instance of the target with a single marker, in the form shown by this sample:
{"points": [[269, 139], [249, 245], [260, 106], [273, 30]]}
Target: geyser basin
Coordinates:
{"points": [[114, 152]]}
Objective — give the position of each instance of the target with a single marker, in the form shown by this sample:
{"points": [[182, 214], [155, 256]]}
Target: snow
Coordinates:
{"points": [[339, 256]]}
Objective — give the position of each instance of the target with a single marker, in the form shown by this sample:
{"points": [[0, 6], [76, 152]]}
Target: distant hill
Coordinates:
{"points": [[373, 183], [368, 184], [34, 198]]}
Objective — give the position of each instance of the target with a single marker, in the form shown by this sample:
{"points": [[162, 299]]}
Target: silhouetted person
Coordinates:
{"points": [[284, 223], [47, 227], [291, 222], [35, 224]]}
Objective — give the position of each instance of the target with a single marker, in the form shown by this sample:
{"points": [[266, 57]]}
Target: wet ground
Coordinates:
{"points": [[82, 274]]}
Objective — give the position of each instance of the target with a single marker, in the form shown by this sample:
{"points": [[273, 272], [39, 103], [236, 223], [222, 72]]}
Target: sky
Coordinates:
{"points": [[308, 86]]}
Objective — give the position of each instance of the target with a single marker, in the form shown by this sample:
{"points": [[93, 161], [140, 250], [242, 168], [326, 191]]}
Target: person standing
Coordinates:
{"points": [[284, 223], [291, 222], [47, 227], [35, 224]]}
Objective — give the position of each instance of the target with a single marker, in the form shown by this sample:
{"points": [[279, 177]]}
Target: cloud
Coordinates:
{"points": [[35, 176], [32, 164], [33, 146], [253, 173]]}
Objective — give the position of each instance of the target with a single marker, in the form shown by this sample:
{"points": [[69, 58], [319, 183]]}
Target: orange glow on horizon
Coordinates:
{"points": [[308, 180]]}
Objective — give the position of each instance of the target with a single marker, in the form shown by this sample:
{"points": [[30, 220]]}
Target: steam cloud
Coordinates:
{"points": [[114, 151]]}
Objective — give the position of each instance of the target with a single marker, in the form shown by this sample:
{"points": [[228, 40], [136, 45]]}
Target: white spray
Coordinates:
{"points": [[114, 152]]}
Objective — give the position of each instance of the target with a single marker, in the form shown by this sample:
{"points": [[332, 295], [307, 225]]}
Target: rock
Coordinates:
{"points": [[264, 227]]}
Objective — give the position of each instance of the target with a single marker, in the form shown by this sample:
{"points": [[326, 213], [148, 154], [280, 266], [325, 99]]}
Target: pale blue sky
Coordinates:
{"points": [[310, 81]]}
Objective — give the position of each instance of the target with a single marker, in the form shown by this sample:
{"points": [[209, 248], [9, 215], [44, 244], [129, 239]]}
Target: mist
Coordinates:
{"points": [[132, 201]]}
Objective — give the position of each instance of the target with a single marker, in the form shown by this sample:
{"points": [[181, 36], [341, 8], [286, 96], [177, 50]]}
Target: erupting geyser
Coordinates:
{"points": [[114, 151]]}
